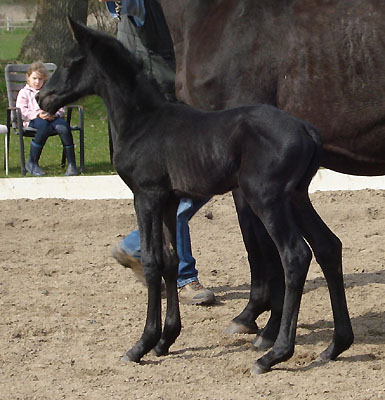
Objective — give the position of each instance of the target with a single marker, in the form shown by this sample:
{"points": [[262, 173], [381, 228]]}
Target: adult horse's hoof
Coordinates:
{"points": [[262, 343], [130, 357], [236, 327], [258, 369], [334, 349]]}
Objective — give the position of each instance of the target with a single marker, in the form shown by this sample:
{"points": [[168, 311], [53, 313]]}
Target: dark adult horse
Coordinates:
{"points": [[164, 150], [321, 60]]}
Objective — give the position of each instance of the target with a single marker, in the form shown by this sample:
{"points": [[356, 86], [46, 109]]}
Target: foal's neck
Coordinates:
{"points": [[129, 98]]}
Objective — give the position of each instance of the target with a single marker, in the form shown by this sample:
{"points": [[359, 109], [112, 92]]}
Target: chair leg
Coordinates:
{"points": [[81, 132], [6, 143], [6, 155], [111, 145], [22, 155], [81, 150]]}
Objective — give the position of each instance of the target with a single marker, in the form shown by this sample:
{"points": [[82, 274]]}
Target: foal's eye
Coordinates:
{"points": [[66, 63], [72, 58]]}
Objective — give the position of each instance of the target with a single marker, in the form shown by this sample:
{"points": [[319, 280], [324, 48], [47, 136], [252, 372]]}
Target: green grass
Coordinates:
{"points": [[10, 43], [97, 157]]}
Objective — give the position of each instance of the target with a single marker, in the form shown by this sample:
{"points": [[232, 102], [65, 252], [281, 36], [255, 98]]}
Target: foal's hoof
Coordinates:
{"points": [[262, 343], [325, 356], [321, 360], [130, 357], [236, 327], [159, 352], [258, 369]]}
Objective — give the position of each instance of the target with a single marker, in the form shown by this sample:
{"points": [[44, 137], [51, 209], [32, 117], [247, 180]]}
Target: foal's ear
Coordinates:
{"points": [[79, 32]]}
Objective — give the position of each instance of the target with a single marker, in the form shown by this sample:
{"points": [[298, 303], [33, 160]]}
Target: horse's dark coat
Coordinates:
{"points": [[165, 150]]}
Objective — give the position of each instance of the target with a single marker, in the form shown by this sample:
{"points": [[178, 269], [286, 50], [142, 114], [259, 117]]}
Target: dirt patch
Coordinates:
{"points": [[69, 311]]}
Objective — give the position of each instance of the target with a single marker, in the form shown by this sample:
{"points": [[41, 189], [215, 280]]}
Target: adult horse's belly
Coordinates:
{"points": [[335, 80], [352, 124]]}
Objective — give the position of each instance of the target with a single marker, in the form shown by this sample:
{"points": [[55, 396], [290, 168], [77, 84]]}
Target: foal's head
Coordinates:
{"points": [[92, 66]]}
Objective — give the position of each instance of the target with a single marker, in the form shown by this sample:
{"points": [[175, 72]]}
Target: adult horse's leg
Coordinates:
{"points": [[267, 280], [149, 210], [328, 252], [172, 323], [274, 209]]}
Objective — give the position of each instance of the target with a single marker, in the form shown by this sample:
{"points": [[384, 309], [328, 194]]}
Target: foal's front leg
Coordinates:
{"points": [[149, 213], [172, 323]]}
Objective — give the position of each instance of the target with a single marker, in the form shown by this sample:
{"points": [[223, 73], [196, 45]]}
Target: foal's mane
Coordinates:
{"points": [[123, 66]]}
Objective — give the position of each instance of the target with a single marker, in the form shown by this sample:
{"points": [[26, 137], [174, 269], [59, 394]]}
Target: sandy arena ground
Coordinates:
{"points": [[69, 311]]}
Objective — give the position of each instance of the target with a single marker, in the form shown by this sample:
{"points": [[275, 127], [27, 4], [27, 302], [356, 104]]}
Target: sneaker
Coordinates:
{"points": [[129, 261], [195, 293]]}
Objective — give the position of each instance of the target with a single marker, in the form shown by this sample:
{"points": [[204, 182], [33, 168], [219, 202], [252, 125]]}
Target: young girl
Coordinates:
{"points": [[44, 122]]}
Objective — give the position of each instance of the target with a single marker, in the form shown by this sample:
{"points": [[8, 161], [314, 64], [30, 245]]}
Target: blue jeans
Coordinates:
{"points": [[187, 272], [45, 129]]}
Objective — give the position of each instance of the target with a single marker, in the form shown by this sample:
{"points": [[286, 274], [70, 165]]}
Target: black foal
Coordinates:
{"points": [[164, 151]]}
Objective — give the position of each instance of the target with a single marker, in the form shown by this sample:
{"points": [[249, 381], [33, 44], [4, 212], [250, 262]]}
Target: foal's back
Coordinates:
{"points": [[204, 153]]}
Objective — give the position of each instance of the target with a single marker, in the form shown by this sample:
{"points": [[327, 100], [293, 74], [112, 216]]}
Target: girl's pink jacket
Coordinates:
{"points": [[28, 105]]}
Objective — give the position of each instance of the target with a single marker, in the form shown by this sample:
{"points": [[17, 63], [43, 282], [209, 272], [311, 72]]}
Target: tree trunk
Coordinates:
{"points": [[50, 36]]}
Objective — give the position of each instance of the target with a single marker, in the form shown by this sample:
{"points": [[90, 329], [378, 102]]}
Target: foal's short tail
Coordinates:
{"points": [[315, 160]]}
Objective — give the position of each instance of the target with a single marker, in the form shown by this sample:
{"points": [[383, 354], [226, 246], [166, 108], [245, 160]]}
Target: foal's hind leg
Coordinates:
{"points": [[328, 252], [172, 323], [274, 209], [267, 280]]}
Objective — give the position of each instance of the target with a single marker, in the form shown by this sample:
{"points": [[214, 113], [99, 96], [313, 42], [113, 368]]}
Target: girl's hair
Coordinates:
{"points": [[40, 68]]}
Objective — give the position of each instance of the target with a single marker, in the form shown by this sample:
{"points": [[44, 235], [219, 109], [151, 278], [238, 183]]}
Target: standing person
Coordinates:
{"points": [[142, 29], [44, 122]]}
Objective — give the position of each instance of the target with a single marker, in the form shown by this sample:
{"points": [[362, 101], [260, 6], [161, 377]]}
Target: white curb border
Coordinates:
{"points": [[66, 187], [112, 187], [327, 180]]}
